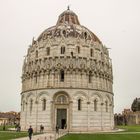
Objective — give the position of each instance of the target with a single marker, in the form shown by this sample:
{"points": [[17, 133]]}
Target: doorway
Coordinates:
{"points": [[62, 118]]}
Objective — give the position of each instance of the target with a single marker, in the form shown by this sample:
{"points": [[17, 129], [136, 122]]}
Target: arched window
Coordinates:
{"points": [[62, 76], [78, 49], [31, 105], [91, 52], [106, 106], [64, 33], [79, 104], [48, 51], [85, 35], [62, 50], [36, 54], [44, 104], [95, 105], [61, 99], [90, 77]]}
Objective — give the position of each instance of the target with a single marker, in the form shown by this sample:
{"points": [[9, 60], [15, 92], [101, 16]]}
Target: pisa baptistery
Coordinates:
{"points": [[67, 80]]}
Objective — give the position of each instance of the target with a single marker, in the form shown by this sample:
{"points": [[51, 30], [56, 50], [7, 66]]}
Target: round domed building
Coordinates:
{"points": [[67, 80]]}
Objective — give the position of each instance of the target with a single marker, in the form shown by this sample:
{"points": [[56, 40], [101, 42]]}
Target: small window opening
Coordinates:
{"points": [[44, 104], [79, 104], [90, 77], [95, 105], [62, 50], [62, 76], [48, 51], [91, 52], [106, 106], [31, 105], [78, 49]]}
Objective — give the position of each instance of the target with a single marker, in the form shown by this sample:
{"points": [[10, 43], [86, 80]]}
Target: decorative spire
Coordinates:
{"points": [[68, 8], [68, 16]]}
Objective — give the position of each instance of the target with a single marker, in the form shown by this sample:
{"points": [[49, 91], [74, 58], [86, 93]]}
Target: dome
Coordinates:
{"points": [[68, 25]]}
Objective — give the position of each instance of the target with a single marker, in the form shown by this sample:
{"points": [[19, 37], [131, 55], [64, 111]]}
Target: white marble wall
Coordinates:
{"points": [[85, 119]]}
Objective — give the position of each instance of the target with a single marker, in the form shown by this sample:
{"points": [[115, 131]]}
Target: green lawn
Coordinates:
{"points": [[8, 135], [107, 136], [101, 137], [135, 128], [6, 127]]}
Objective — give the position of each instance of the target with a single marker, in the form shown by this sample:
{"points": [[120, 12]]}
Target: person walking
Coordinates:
{"points": [[57, 128], [41, 128], [30, 132]]}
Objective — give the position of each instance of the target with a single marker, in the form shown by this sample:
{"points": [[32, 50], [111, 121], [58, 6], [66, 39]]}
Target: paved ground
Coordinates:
{"points": [[45, 136]]}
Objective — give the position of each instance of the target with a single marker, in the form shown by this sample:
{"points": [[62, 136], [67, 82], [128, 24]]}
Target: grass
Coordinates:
{"points": [[107, 136], [133, 128], [6, 127], [8, 135], [101, 137]]}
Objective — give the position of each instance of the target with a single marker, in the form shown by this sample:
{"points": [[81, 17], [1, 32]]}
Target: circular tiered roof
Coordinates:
{"points": [[68, 25]]}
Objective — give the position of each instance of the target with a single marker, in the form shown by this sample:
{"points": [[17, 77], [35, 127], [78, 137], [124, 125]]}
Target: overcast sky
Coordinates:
{"points": [[115, 22]]}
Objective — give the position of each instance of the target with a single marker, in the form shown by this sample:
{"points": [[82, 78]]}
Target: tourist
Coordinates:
{"points": [[30, 132], [41, 128], [57, 128], [65, 126]]}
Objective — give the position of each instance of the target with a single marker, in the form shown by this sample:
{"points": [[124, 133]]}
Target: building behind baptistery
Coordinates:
{"points": [[67, 80]]}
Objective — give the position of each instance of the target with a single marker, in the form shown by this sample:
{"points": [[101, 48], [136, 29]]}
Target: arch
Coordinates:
{"points": [[61, 99], [29, 96], [57, 94], [80, 94], [96, 100], [107, 102], [22, 97], [109, 98], [42, 95], [96, 96]]}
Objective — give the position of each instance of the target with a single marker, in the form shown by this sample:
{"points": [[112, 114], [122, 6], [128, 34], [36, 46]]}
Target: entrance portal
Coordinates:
{"points": [[62, 118]]}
